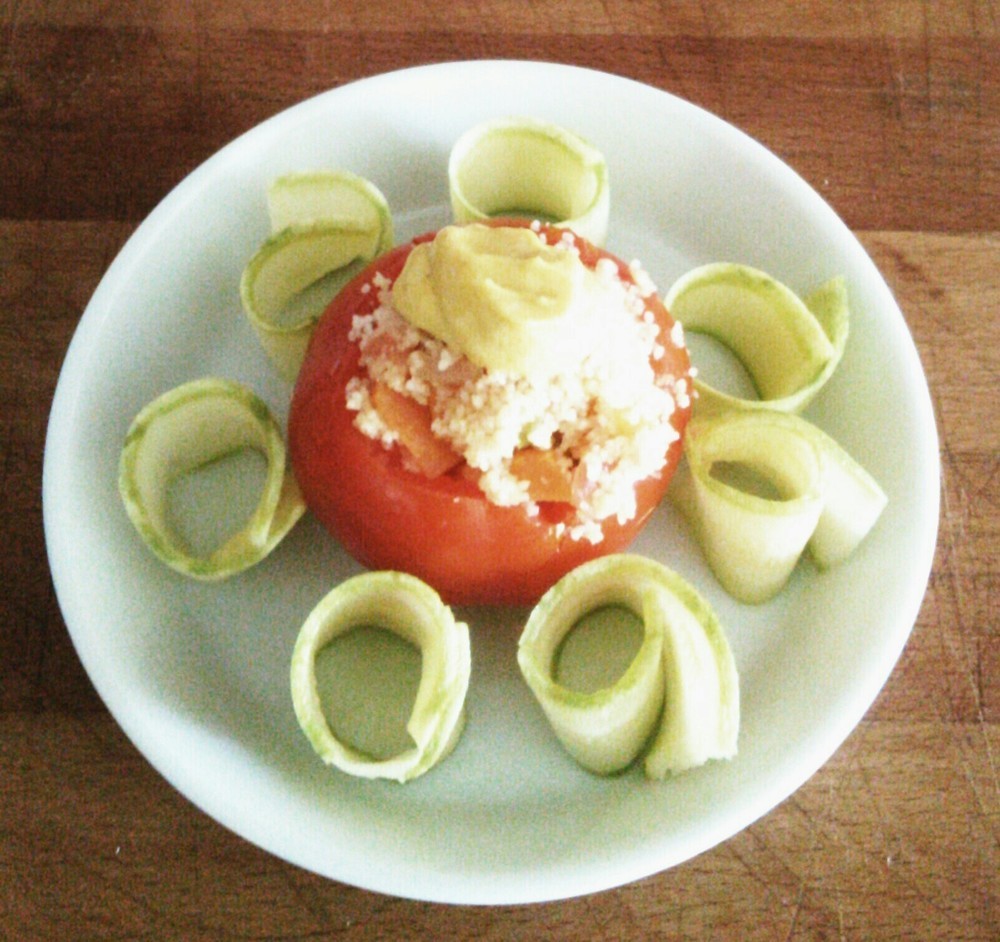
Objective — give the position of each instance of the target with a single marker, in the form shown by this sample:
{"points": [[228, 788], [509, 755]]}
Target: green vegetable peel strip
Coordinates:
{"points": [[789, 346], [604, 730], [852, 501], [520, 166], [701, 713], [184, 429], [333, 196], [821, 498], [681, 687], [752, 541], [324, 224], [408, 607]]}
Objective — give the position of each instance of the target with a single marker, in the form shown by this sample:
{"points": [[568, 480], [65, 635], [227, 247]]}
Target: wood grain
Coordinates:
{"points": [[891, 110]]}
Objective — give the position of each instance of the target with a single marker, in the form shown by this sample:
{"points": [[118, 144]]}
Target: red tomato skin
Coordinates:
{"points": [[442, 530]]}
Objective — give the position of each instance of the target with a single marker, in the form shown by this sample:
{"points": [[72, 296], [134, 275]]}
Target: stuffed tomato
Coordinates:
{"points": [[488, 407]]}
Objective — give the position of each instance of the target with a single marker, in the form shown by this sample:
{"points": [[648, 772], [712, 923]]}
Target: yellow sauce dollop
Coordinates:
{"points": [[503, 297]]}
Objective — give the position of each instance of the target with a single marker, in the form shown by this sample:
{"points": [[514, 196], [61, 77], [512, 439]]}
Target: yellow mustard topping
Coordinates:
{"points": [[502, 297]]}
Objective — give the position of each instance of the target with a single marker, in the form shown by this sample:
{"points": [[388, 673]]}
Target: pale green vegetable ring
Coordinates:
{"points": [[761, 487], [405, 605], [789, 346], [185, 429], [325, 225], [757, 495], [332, 196], [679, 693], [525, 167]]}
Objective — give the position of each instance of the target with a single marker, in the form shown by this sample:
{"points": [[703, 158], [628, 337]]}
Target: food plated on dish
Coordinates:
{"points": [[489, 414], [197, 673]]}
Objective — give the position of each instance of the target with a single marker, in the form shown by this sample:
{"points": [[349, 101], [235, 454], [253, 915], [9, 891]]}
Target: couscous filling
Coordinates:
{"points": [[585, 433]]}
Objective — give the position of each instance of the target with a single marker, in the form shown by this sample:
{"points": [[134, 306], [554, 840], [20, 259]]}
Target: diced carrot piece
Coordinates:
{"points": [[411, 421], [548, 478]]}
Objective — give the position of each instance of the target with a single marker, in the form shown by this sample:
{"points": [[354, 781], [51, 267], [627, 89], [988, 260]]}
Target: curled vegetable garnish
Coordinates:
{"points": [[681, 687], [333, 196], [852, 502], [185, 429], [701, 710], [408, 607], [761, 487], [789, 346], [324, 225], [520, 166]]}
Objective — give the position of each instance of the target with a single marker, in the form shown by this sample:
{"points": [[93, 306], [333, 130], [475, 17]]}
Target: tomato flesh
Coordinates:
{"points": [[441, 529]]}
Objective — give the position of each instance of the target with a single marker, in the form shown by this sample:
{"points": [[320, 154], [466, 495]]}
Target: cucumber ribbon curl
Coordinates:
{"points": [[788, 345], [325, 225], [185, 429], [677, 702], [762, 488], [522, 166], [410, 608]]}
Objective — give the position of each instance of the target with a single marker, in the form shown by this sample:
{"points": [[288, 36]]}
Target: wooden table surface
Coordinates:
{"points": [[890, 109]]}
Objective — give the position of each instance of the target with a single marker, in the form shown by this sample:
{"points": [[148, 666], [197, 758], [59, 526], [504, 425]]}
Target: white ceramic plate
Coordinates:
{"points": [[197, 675]]}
